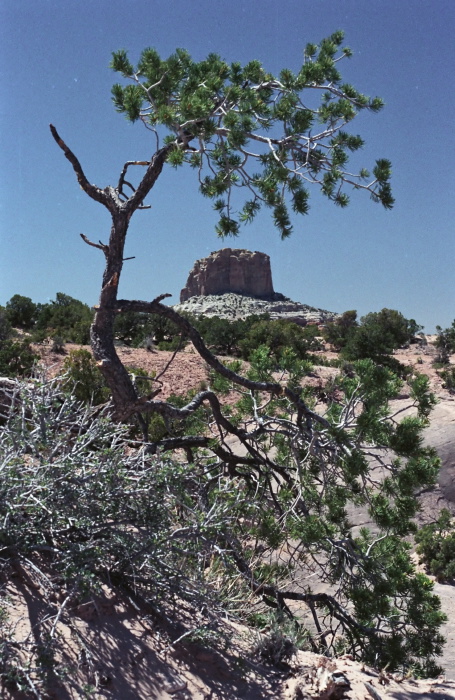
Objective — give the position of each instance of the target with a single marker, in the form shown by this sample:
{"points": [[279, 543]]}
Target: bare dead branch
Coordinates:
{"points": [[273, 388], [100, 246], [93, 191], [152, 173]]}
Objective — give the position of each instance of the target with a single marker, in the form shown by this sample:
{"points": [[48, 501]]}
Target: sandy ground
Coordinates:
{"points": [[129, 653]]}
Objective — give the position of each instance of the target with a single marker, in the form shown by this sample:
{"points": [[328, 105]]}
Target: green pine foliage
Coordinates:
{"points": [[250, 132], [436, 547]]}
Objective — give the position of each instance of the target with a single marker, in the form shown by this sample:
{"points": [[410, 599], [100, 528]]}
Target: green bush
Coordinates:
{"points": [[337, 332], [66, 317], [445, 343], [448, 379], [436, 547], [83, 379], [278, 336], [17, 358], [377, 336], [5, 326]]}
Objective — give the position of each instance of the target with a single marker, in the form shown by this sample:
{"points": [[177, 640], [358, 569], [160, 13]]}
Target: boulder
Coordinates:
{"points": [[230, 270]]}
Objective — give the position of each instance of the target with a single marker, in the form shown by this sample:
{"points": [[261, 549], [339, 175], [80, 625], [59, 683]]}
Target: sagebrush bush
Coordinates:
{"points": [[79, 509]]}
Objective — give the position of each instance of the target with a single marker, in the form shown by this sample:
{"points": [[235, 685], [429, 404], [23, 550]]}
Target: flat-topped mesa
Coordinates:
{"points": [[230, 270]]}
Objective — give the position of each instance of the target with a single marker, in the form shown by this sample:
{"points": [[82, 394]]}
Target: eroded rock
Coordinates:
{"points": [[230, 270]]}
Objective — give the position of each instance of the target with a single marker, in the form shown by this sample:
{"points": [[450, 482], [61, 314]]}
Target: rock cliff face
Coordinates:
{"points": [[230, 270]]}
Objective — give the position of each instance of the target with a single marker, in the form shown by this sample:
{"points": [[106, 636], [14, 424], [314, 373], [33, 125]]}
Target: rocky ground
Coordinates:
{"points": [[235, 306], [131, 655]]}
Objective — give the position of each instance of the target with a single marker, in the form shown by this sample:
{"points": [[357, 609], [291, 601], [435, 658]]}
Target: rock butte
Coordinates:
{"points": [[235, 283], [230, 270]]}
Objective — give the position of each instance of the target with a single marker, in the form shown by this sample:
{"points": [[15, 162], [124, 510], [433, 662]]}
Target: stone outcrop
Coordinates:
{"points": [[234, 283], [238, 306], [230, 270]]}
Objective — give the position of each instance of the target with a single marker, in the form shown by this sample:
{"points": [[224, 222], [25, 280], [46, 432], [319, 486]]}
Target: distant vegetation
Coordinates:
{"points": [[376, 335]]}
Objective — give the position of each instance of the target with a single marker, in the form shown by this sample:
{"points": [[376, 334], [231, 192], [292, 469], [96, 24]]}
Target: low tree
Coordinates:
{"points": [[337, 332], [282, 501], [65, 317], [21, 312], [220, 334], [82, 378], [445, 343], [17, 358], [378, 335]]}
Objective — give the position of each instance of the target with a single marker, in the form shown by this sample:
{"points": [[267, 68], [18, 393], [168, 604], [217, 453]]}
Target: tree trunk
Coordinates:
{"points": [[102, 334]]}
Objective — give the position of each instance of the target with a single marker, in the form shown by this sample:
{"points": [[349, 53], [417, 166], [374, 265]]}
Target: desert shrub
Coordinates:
{"points": [[436, 547], [448, 379], [58, 344], [17, 358], [130, 327], [176, 342], [220, 334], [278, 336], [83, 511], [377, 336], [337, 332], [5, 326], [66, 317], [83, 378], [445, 343], [279, 640]]}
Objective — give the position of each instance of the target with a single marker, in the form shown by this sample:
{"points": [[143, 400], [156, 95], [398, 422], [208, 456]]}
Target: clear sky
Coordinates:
{"points": [[54, 69]]}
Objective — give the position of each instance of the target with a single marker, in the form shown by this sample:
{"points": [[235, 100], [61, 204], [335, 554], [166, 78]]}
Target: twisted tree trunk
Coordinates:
{"points": [[121, 209]]}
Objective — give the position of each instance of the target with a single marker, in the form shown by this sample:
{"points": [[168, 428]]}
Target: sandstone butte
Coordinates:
{"points": [[234, 283], [230, 270]]}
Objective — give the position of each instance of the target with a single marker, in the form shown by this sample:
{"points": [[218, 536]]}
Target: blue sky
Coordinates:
{"points": [[54, 69]]}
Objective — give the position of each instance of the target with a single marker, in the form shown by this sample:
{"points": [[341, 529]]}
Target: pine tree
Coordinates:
{"points": [[254, 141]]}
